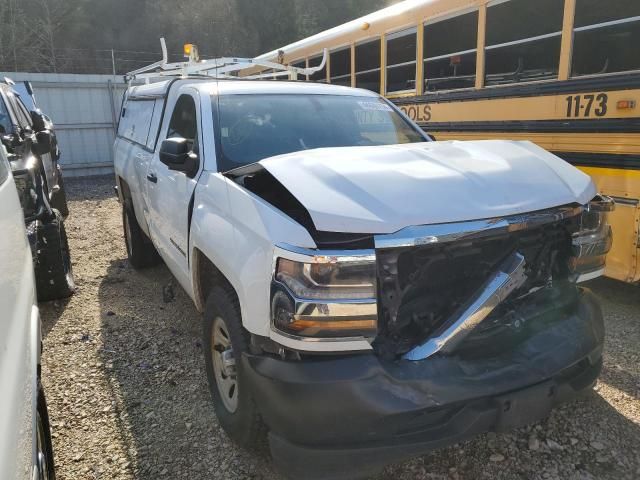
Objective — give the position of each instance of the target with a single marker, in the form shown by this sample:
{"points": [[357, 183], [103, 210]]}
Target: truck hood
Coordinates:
{"points": [[384, 189]]}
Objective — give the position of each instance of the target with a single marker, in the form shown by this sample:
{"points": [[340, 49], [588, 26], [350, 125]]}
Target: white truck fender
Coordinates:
{"points": [[237, 231]]}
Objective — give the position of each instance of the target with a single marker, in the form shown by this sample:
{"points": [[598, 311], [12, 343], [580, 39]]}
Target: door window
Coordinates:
{"points": [[5, 120], [341, 67], [24, 121], [401, 61], [184, 121], [523, 41], [368, 65], [450, 60], [606, 37], [23, 109]]}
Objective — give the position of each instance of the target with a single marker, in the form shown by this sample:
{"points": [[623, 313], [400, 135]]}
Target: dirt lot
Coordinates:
{"points": [[128, 398]]}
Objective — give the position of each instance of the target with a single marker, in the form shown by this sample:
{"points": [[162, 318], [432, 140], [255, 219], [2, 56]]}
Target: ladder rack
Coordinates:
{"points": [[220, 68]]}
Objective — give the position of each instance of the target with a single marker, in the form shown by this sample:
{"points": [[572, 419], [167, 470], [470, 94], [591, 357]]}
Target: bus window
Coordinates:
{"points": [[450, 60], [523, 41], [267, 72], [606, 36], [401, 61], [368, 65], [300, 64], [340, 67], [320, 76]]}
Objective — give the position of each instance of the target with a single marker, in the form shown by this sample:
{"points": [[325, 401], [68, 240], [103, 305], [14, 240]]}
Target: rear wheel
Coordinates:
{"points": [[44, 446], [54, 276], [224, 341], [140, 250]]}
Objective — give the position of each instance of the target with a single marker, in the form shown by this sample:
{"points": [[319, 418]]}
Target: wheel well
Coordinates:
{"points": [[207, 276], [124, 191]]}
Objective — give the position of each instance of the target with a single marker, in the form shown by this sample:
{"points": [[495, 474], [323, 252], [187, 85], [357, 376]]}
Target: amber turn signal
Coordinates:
{"points": [[626, 104]]}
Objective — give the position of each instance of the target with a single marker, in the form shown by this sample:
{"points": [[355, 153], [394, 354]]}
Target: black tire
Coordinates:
{"points": [[59, 198], [244, 425], [140, 250], [44, 445], [54, 276]]}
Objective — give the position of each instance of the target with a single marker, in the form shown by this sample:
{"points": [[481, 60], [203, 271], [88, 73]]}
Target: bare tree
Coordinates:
{"points": [[78, 35], [48, 19], [13, 37]]}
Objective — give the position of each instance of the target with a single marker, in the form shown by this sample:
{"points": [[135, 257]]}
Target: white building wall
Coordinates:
{"points": [[84, 109]]}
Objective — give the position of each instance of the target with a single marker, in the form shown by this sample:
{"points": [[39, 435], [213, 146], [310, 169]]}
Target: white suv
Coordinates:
{"points": [[368, 294], [25, 441]]}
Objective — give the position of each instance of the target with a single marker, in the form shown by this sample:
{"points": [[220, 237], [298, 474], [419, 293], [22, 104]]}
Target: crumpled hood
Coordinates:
{"points": [[384, 189]]}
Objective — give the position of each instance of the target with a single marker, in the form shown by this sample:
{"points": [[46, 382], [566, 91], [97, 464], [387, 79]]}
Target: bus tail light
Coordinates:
{"points": [[593, 241], [626, 104]]}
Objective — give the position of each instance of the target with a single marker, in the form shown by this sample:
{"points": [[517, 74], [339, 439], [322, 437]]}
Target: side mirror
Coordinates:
{"points": [[176, 154], [43, 143], [8, 141], [38, 120]]}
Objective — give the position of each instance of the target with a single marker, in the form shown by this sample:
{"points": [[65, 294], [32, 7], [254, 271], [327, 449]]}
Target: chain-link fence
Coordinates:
{"points": [[76, 60]]}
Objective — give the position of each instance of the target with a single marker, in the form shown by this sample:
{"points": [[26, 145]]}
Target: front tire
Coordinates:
{"points": [[224, 341], [44, 446], [54, 276], [59, 198], [140, 250]]}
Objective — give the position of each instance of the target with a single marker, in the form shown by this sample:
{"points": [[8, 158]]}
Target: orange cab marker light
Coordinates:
{"points": [[626, 104], [187, 49]]}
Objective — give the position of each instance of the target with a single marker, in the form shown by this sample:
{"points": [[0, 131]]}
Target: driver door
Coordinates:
{"points": [[170, 192]]}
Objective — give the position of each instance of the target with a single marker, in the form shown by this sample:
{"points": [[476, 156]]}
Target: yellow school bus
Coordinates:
{"points": [[564, 74]]}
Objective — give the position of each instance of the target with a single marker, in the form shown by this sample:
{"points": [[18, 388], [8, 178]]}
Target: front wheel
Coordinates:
{"points": [[44, 446], [54, 276], [59, 198], [224, 342]]}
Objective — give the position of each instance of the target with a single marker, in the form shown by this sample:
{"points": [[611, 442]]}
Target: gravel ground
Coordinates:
{"points": [[128, 398]]}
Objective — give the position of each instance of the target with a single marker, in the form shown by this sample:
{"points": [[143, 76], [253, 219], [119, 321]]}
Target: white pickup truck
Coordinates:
{"points": [[368, 294]]}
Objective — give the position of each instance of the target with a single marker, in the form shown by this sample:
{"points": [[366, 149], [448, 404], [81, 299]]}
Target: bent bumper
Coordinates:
{"points": [[346, 417]]}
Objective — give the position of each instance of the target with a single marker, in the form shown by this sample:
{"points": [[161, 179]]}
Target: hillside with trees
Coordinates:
{"points": [[78, 36]]}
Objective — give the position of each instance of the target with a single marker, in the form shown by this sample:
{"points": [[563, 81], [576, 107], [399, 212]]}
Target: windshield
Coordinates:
{"points": [[253, 127]]}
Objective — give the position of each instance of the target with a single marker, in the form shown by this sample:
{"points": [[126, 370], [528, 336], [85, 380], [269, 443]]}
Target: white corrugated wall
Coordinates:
{"points": [[84, 109]]}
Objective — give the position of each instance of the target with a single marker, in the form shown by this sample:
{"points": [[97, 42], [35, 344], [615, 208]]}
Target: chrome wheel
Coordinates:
{"points": [[41, 451], [224, 365]]}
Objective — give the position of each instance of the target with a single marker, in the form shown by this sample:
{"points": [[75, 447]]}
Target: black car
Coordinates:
{"points": [[30, 141]]}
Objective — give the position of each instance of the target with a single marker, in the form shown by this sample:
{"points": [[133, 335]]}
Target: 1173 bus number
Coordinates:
{"points": [[585, 105]]}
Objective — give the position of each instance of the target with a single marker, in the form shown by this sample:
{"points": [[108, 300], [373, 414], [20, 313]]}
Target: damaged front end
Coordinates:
{"points": [[443, 286], [427, 289]]}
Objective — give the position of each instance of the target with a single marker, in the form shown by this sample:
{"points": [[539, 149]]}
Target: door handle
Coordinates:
{"points": [[142, 156], [152, 177]]}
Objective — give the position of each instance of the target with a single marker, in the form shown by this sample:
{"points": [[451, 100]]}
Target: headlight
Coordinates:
{"points": [[593, 241], [343, 278], [325, 296]]}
